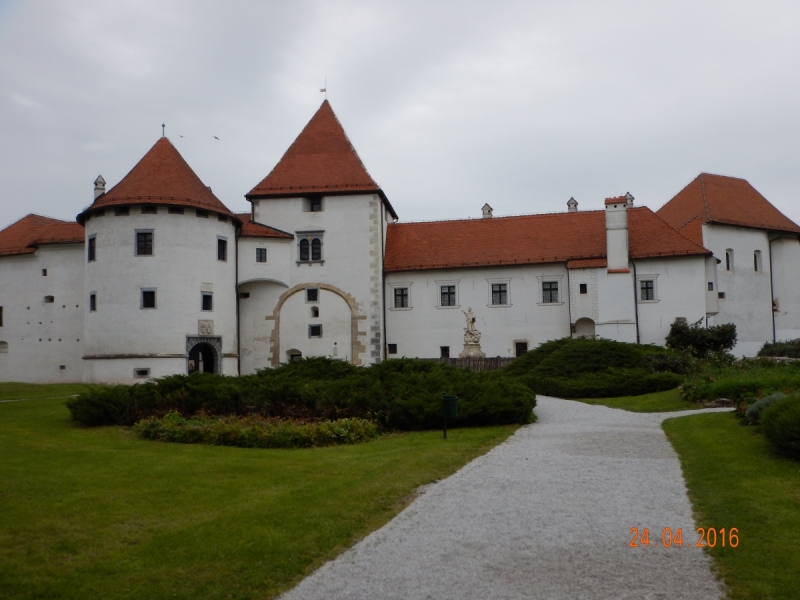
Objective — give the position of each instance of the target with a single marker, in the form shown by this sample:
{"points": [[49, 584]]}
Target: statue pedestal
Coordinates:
{"points": [[472, 351]]}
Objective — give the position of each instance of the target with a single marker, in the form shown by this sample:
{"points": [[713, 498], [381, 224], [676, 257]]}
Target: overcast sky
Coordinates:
{"points": [[520, 104]]}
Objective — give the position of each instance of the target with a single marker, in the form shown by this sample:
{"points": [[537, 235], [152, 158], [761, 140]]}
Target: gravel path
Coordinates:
{"points": [[546, 514]]}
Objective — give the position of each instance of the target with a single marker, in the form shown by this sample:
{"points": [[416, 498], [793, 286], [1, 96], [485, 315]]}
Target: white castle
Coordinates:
{"points": [[158, 277]]}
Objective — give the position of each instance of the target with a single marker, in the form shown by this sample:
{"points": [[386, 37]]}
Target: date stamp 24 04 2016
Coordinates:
{"points": [[708, 538]]}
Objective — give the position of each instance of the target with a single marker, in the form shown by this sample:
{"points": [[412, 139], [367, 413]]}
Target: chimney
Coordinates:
{"points": [[572, 205], [617, 233], [487, 211], [629, 199], [99, 187]]}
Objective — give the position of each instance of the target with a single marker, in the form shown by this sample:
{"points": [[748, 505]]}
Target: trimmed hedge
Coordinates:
{"points": [[254, 431], [598, 368], [781, 425], [397, 394]]}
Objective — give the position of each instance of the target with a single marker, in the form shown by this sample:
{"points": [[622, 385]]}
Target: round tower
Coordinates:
{"points": [[160, 275]]}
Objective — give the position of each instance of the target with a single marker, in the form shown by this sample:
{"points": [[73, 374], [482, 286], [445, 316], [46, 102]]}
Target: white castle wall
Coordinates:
{"points": [[120, 335], [786, 284], [42, 337]]}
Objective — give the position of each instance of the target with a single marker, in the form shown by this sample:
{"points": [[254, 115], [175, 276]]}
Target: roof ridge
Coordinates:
{"points": [[703, 193]]}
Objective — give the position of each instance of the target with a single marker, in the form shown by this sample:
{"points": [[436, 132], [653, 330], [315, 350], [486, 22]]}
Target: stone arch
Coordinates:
{"points": [[584, 328], [356, 346]]}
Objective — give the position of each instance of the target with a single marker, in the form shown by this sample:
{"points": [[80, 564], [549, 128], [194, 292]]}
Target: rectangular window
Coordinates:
{"points": [[549, 292], [315, 331], [244, 294], [141, 373], [92, 302], [144, 243], [91, 250], [520, 348], [392, 348], [222, 249], [49, 299], [729, 259], [647, 290], [175, 210], [584, 288], [203, 214], [721, 295], [208, 301], [122, 211], [710, 286], [499, 293], [1, 316], [44, 272], [148, 298], [222, 218], [401, 297], [312, 295], [444, 351], [757, 261], [261, 255], [316, 205], [447, 294], [149, 210]]}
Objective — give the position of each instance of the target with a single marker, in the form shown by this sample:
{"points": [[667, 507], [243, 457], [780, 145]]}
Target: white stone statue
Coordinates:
{"points": [[471, 334]]}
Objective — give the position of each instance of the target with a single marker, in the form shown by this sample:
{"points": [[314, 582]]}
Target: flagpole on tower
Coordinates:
{"points": [[325, 89]]}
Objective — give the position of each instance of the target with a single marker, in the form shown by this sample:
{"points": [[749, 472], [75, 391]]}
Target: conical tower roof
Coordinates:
{"points": [[320, 161], [161, 177]]}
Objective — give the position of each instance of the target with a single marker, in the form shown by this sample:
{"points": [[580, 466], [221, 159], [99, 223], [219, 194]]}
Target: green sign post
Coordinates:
{"points": [[449, 409]]}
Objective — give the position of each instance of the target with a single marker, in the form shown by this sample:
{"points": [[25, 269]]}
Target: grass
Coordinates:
{"points": [[99, 513], [667, 401], [736, 480], [34, 391]]}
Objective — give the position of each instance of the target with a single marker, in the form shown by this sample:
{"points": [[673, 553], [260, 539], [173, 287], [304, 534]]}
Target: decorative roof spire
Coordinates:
{"points": [[572, 205]]}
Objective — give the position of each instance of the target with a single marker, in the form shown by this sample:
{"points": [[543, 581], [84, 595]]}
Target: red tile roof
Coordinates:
{"points": [[577, 238], [24, 236], [253, 229], [161, 177], [721, 199], [320, 161]]}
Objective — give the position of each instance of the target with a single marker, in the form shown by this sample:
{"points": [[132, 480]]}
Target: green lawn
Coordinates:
{"points": [[13, 391], [656, 402], [736, 480], [99, 513]]}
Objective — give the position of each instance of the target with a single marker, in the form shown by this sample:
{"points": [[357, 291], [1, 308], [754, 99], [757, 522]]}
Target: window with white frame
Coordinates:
{"points": [[261, 255], [222, 249], [144, 243], [309, 247], [315, 331], [447, 293], [207, 301], [401, 297], [148, 298], [549, 292], [647, 286], [499, 293]]}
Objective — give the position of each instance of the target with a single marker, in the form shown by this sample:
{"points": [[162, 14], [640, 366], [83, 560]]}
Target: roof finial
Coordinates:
{"points": [[325, 89], [163, 130]]}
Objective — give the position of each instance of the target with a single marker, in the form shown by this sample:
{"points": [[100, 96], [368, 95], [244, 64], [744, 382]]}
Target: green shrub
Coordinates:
{"points": [[790, 349], [701, 341], [597, 368], [746, 379], [753, 412], [397, 394], [254, 431], [781, 425]]}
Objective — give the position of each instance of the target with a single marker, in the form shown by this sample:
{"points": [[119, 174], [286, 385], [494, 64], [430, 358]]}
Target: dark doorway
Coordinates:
{"points": [[202, 357]]}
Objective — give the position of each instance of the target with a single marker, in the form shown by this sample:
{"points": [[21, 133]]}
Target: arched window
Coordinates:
{"points": [[310, 246], [729, 260], [757, 261], [316, 249], [3, 347], [304, 250]]}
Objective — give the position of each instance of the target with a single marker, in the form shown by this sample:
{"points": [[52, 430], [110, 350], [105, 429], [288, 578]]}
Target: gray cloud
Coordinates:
{"points": [[449, 104]]}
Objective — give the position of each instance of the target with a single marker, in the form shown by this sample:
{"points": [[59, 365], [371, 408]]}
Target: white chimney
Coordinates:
{"points": [[617, 233], [99, 187], [572, 205], [487, 211]]}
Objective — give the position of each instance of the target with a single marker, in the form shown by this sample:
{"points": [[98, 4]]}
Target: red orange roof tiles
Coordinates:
{"points": [[31, 231]]}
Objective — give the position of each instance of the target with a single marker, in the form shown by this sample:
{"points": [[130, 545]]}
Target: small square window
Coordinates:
{"points": [[549, 292], [62, 367], [244, 294], [312, 295], [144, 243], [208, 301], [149, 209], [401, 297], [520, 348], [647, 290], [141, 373], [584, 288], [447, 295], [222, 249], [444, 351], [261, 255], [721, 295], [148, 298], [92, 302], [315, 205], [44, 272], [175, 210], [392, 348], [499, 293], [122, 211], [315, 331]]}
